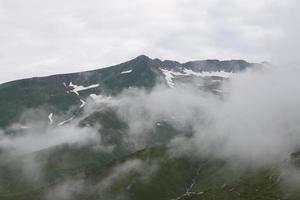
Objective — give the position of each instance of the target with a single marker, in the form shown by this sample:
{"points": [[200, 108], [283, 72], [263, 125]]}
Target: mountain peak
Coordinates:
{"points": [[143, 57]]}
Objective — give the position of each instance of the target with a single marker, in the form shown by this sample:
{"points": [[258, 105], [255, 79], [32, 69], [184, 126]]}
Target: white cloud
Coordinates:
{"points": [[255, 122], [46, 37]]}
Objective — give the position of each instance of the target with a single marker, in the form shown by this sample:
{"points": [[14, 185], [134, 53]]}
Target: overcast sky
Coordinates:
{"points": [[43, 37]]}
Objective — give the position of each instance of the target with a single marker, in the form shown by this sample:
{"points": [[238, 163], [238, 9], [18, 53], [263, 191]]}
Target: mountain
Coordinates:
{"points": [[59, 93], [73, 136]]}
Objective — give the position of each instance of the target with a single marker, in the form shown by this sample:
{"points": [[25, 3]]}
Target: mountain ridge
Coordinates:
{"points": [[58, 94], [166, 62]]}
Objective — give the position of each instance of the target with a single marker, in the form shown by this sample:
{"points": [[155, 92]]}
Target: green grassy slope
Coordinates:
{"points": [[166, 177]]}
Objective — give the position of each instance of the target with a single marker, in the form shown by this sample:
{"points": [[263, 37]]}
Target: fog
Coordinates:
{"points": [[256, 120], [32, 141]]}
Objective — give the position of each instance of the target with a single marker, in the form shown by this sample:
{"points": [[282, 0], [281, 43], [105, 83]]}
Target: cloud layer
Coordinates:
{"points": [[256, 121], [41, 38]]}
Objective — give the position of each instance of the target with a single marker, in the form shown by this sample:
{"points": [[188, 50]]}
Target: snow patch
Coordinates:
{"points": [[222, 74], [126, 72], [77, 88], [50, 117], [168, 76], [64, 122], [82, 103]]}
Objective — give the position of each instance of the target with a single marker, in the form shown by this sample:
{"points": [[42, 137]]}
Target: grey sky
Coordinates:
{"points": [[43, 37]]}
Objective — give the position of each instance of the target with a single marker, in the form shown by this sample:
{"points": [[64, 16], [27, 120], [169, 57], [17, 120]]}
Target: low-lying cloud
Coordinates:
{"points": [[32, 141], [256, 120]]}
